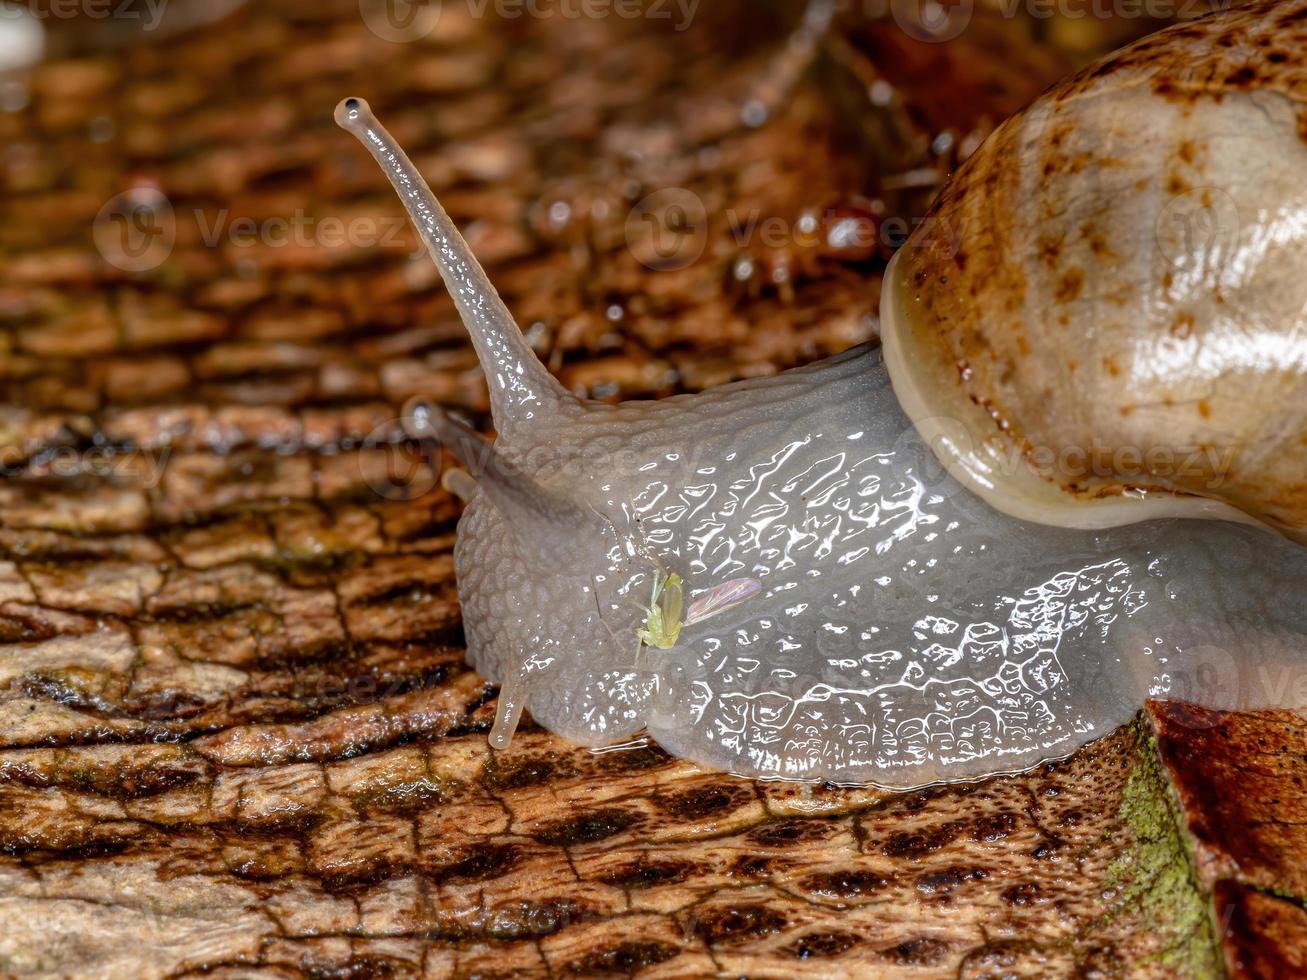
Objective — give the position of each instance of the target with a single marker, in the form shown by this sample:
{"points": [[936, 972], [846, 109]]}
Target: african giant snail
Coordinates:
{"points": [[774, 577]]}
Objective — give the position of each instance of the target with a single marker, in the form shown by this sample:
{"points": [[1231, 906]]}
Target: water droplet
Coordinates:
{"points": [[753, 114], [880, 92]]}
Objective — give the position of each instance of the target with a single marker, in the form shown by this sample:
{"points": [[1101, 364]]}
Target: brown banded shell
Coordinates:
{"points": [[1104, 317]]}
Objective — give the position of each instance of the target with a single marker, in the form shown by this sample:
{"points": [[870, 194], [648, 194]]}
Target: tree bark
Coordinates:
{"points": [[237, 736]]}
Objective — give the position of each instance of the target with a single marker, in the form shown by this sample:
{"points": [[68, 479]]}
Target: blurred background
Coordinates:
{"points": [[669, 193]]}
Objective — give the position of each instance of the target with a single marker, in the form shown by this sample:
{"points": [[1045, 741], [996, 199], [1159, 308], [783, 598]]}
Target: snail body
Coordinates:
{"points": [[808, 577]]}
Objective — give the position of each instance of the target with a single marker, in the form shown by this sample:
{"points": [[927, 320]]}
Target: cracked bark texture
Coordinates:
{"points": [[237, 736]]}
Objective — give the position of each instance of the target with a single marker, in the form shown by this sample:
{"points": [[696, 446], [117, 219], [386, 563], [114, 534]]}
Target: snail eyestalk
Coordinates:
{"points": [[521, 389], [510, 490], [460, 483]]}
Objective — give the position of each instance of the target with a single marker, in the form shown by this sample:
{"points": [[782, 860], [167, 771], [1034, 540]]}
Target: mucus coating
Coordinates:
{"points": [[871, 621]]}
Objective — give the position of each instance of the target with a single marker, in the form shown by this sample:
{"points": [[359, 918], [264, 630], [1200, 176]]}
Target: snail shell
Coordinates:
{"points": [[775, 578], [1104, 317]]}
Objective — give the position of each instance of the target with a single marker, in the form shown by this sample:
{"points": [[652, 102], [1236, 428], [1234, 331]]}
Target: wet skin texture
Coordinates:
{"points": [[895, 628]]}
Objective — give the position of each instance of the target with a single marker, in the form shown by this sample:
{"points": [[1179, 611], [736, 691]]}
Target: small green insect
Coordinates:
{"points": [[662, 625]]}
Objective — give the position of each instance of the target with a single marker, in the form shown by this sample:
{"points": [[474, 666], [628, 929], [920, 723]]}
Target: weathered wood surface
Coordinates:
{"points": [[237, 736], [1240, 783]]}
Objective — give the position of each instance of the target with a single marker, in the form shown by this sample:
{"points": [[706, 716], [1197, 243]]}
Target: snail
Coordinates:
{"points": [[1073, 477]]}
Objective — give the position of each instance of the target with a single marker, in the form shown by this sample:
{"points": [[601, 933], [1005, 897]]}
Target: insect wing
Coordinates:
{"points": [[722, 597], [671, 601]]}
